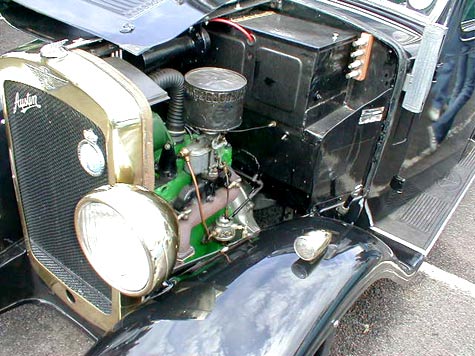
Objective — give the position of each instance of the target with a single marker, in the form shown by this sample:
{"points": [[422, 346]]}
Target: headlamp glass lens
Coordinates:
{"points": [[113, 247]]}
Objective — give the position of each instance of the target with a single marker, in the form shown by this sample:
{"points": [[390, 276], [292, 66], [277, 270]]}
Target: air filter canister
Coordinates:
{"points": [[214, 99]]}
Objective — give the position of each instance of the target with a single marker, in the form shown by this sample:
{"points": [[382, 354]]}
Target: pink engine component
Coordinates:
{"points": [[209, 208]]}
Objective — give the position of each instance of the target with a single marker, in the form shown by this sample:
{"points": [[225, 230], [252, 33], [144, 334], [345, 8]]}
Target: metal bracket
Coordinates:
{"points": [[407, 82], [419, 82]]}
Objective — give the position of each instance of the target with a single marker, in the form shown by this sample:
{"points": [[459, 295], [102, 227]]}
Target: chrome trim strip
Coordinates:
{"points": [[398, 240], [358, 10], [368, 213], [435, 13]]}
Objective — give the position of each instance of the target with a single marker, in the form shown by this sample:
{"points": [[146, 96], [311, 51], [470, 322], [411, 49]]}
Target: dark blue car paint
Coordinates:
{"points": [[254, 303], [265, 302], [265, 297], [136, 29]]}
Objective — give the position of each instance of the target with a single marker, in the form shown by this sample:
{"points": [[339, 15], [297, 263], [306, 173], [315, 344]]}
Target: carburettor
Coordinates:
{"points": [[204, 155], [213, 205], [214, 99], [213, 105]]}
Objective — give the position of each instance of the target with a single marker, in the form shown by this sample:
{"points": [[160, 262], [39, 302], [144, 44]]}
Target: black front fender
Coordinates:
{"points": [[264, 302], [10, 227]]}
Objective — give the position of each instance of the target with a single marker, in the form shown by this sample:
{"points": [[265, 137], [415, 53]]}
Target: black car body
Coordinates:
{"points": [[311, 148]]}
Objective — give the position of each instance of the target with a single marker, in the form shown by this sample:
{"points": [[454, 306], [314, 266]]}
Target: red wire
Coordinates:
{"points": [[250, 37]]}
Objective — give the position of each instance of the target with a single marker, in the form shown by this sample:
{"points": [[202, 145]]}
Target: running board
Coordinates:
{"points": [[419, 223]]}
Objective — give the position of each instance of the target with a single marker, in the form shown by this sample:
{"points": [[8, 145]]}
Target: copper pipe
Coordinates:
{"points": [[226, 210], [198, 195], [209, 208]]}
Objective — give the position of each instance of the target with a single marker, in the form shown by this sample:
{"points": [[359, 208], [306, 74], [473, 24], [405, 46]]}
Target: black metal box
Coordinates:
{"points": [[315, 57]]}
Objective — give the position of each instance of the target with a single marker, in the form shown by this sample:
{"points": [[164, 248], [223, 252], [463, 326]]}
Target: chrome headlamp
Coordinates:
{"points": [[312, 245], [129, 235]]}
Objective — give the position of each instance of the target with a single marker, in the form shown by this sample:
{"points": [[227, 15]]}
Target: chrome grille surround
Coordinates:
{"points": [[51, 182], [57, 100]]}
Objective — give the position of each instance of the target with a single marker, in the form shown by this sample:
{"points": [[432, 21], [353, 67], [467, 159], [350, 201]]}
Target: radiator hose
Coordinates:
{"points": [[172, 81]]}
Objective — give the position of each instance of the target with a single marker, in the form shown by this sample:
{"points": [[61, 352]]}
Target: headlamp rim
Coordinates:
{"points": [[95, 197]]}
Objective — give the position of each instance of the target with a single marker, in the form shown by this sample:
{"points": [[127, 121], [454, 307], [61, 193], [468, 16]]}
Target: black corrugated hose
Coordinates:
{"points": [[172, 81]]}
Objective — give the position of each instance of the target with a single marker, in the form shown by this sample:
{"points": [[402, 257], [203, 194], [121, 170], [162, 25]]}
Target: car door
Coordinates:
{"points": [[440, 161]]}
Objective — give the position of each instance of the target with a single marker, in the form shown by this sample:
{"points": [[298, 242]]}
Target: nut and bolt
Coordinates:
{"points": [[127, 28]]}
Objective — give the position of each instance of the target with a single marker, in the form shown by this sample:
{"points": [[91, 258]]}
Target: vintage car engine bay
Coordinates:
{"points": [[192, 146]]}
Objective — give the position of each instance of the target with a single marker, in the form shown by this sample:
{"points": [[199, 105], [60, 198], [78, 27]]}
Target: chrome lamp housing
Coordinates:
{"points": [[129, 235]]}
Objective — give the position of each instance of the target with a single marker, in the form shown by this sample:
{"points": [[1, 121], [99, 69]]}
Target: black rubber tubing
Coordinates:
{"points": [[172, 81]]}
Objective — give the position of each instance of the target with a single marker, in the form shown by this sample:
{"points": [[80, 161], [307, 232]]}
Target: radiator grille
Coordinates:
{"points": [[51, 181]]}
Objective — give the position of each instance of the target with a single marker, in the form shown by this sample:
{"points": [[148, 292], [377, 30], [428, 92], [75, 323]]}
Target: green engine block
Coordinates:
{"points": [[170, 190]]}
